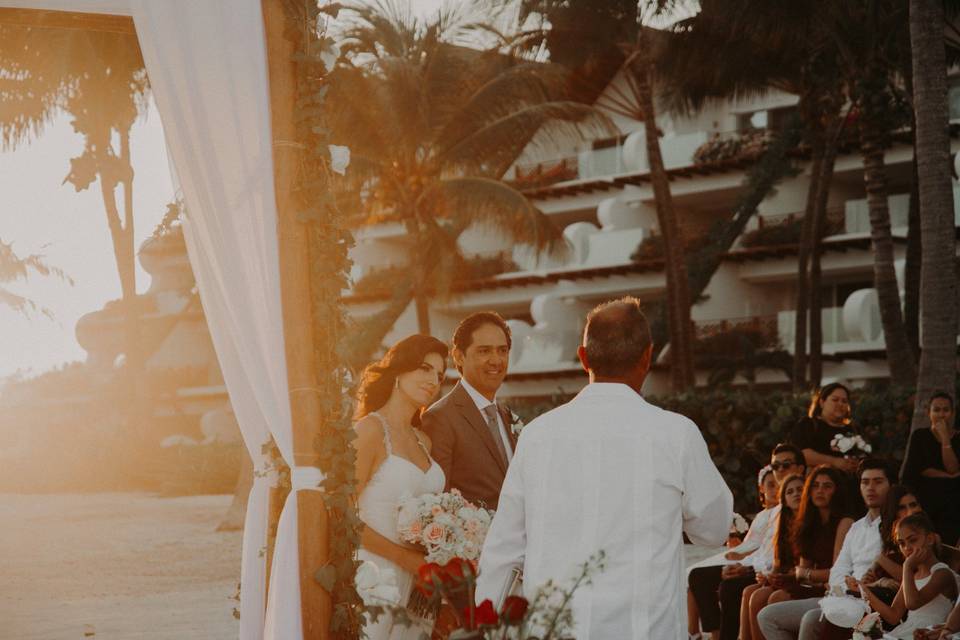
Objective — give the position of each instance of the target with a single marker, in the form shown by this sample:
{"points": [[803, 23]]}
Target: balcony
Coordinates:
{"points": [[853, 327], [630, 156], [857, 213]]}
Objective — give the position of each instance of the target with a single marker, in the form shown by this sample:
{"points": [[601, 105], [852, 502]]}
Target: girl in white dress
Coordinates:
{"points": [[928, 588], [393, 462]]}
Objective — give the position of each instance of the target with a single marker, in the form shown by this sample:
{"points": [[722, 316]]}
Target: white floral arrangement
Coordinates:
{"points": [[869, 628], [445, 524], [516, 423], [851, 446], [376, 586], [739, 524]]}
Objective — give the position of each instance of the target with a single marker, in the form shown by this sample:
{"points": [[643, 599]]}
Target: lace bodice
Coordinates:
{"points": [[395, 478]]}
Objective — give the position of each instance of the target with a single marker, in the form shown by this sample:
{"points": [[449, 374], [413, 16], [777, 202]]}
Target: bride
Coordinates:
{"points": [[393, 461]]}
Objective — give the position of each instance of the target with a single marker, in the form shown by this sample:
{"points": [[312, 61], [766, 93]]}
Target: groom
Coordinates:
{"points": [[472, 434], [609, 472]]}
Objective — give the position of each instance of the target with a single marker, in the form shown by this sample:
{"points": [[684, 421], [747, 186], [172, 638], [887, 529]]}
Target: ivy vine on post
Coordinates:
{"points": [[329, 242]]}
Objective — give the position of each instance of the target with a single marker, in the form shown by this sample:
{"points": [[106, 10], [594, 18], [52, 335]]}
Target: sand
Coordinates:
{"points": [[122, 565], [116, 566]]}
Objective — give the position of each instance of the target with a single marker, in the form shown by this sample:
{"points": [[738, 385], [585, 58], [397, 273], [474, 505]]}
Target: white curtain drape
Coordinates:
{"points": [[206, 60]]}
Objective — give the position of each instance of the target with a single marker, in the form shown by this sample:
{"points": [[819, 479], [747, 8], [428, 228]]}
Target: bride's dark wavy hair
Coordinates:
{"points": [[379, 378]]}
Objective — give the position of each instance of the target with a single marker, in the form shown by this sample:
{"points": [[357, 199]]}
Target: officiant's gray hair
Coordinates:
{"points": [[616, 336]]}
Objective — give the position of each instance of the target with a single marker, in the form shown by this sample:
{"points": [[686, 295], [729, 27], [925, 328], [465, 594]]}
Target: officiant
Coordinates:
{"points": [[609, 472], [472, 432]]}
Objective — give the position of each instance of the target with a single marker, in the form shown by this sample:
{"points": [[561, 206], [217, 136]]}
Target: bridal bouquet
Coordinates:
{"points": [[445, 524], [851, 446]]}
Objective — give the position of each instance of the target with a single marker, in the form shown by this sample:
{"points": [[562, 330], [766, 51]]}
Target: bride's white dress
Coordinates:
{"points": [[379, 506]]}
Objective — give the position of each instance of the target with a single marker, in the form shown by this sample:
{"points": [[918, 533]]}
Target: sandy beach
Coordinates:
{"points": [[122, 565], [116, 565]]}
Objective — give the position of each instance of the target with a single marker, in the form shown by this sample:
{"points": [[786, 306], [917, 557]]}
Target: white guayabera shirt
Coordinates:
{"points": [[608, 471]]}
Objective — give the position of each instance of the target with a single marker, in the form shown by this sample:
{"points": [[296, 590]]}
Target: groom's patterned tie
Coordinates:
{"points": [[490, 412]]}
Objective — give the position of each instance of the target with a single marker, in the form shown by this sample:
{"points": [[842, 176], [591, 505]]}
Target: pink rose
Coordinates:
{"points": [[415, 529], [433, 533], [436, 510]]}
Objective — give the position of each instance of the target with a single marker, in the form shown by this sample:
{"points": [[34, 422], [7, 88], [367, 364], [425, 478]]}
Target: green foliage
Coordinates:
{"points": [[749, 144], [783, 233], [741, 427], [329, 242], [432, 129]]}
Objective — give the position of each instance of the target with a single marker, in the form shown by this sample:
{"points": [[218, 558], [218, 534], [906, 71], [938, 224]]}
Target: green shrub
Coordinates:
{"points": [[741, 427]]}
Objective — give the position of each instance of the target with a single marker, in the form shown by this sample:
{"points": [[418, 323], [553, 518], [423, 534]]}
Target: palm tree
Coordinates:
{"points": [[432, 128], [727, 51], [98, 78], [866, 35], [14, 267], [938, 288], [586, 34], [856, 45]]}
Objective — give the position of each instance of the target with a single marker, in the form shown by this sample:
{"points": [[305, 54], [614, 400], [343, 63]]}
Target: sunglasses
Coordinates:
{"points": [[776, 466]]}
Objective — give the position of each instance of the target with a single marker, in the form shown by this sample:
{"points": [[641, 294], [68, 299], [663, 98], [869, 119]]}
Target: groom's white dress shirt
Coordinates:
{"points": [[608, 471]]}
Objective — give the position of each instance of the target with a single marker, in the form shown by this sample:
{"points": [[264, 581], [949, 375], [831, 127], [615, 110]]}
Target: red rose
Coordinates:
{"points": [[428, 577], [457, 570], [514, 609], [482, 615]]}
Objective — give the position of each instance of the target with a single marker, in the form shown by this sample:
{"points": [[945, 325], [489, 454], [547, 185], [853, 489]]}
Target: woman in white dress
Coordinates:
{"points": [[393, 461], [928, 588]]}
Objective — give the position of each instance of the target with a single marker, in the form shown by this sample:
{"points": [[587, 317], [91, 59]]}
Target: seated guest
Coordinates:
{"points": [[888, 565], [929, 587], [858, 549], [704, 580], [727, 585], [818, 533], [773, 577], [932, 468]]}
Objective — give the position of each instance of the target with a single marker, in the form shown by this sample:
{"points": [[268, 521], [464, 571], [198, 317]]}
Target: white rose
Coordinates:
{"points": [[368, 575], [339, 158]]}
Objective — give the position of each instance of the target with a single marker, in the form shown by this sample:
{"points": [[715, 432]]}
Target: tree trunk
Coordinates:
{"points": [[938, 285], [678, 285], [903, 370], [422, 303], [911, 296], [834, 126], [124, 253], [803, 276]]}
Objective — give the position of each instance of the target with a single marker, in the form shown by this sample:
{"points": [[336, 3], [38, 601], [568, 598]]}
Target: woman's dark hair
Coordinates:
{"points": [[922, 522], [808, 522], [783, 557], [918, 521], [815, 409], [888, 517], [379, 378], [940, 394]]}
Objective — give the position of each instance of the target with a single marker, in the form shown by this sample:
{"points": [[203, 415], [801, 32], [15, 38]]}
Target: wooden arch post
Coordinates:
{"points": [[299, 340]]}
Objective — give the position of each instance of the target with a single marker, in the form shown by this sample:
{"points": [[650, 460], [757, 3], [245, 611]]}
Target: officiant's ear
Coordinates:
{"points": [[582, 355]]}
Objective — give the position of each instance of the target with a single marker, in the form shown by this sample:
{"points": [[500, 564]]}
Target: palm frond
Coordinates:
{"points": [[541, 128], [487, 202]]}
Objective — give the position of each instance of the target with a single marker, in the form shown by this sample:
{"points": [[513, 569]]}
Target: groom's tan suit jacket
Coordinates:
{"points": [[464, 447]]}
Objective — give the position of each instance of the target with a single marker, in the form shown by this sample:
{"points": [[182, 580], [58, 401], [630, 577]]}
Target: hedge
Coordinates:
{"points": [[741, 427]]}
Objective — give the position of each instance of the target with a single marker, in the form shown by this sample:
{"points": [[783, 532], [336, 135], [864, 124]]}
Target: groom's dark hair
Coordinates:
{"points": [[616, 337]]}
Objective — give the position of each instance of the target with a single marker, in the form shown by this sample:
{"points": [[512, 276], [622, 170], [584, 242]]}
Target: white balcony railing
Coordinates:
{"points": [[854, 326], [857, 214]]}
